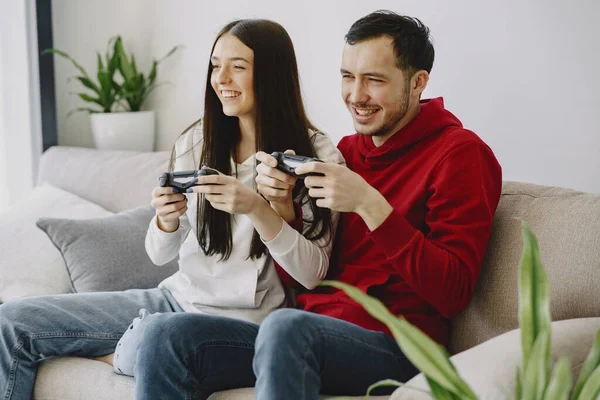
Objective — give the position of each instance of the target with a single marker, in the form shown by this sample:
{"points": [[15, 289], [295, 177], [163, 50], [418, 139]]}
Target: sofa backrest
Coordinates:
{"points": [[567, 226], [116, 180], [566, 223]]}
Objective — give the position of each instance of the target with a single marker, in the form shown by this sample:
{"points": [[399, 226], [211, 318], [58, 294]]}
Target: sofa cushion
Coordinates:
{"points": [[567, 225], [70, 378], [107, 254], [490, 368], [30, 265], [116, 180]]}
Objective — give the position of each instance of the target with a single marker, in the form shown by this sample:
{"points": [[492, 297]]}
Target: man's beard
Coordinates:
{"points": [[393, 120]]}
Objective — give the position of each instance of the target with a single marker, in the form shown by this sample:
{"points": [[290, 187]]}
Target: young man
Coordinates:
{"points": [[418, 197]]}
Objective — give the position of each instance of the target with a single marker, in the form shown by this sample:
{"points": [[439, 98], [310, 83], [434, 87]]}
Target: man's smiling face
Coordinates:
{"points": [[375, 90]]}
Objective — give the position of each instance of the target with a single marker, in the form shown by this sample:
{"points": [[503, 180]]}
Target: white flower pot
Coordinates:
{"points": [[124, 130]]}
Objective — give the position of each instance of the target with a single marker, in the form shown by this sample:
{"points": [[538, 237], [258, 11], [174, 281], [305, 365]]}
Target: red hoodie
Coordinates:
{"points": [[423, 261]]}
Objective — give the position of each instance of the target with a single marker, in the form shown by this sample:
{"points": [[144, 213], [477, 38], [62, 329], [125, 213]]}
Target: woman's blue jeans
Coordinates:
{"points": [[189, 355], [90, 325]]}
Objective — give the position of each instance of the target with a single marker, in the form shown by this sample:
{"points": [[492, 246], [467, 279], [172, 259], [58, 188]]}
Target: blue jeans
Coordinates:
{"points": [[180, 356], [190, 356], [301, 354]]}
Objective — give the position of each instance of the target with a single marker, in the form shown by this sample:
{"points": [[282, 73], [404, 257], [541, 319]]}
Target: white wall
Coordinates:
{"points": [[20, 134], [522, 74]]}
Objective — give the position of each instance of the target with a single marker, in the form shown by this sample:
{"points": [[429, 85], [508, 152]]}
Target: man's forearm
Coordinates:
{"points": [[374, 210]]}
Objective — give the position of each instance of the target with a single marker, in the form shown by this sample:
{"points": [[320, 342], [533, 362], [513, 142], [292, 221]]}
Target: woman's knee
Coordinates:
{"points": [[16, 319], [14, 316]]}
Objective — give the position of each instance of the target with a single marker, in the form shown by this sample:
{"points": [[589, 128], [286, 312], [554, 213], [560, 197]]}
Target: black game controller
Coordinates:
{"points": [[288, 163], [182, 180]]}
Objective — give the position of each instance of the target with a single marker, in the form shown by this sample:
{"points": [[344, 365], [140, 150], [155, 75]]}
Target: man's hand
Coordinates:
{"points": [[276, 186], [345, 191], [228, 194]]}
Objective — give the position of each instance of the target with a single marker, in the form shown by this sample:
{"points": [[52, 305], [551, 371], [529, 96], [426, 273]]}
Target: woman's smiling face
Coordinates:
{"points": [[232, 76]]}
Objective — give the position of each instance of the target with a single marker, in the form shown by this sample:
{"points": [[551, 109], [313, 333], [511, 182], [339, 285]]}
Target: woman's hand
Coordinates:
{"points": [[276, 186], [169, 206], [228, 194]]}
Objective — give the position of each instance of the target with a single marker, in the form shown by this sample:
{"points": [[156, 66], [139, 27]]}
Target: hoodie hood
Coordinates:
{"points": [[431, 120]]}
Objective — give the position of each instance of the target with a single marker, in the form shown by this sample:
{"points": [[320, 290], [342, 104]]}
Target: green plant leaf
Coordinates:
{"points": [[439, 392], [537, 371], [100, 64], [534, 295], [589, 365], [561, 381], [519, 384], [133, 66], [591, 388], [89, 99], [124, 65], [152, 74], [87, 82], [169, 54], [423, 352], [113, 64], [383, 383], [390, 382], [68, 57], [107, 96]]}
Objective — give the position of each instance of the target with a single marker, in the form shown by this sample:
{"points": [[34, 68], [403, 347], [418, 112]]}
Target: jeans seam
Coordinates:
{"points": [[14, 366], [59, 334], [46, 335]]}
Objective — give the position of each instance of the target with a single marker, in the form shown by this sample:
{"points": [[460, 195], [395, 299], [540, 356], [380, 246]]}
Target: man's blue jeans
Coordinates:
{"points": [[300, 354]]}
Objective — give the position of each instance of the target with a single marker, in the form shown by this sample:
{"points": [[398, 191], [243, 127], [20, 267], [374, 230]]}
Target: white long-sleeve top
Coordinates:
{"points": [[239, 287]]}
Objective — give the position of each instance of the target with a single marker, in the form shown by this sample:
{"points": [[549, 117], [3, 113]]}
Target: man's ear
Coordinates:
{"points": [[418, 82]]}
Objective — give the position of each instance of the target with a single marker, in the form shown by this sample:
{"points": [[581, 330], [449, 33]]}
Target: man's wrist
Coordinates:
{"points": [[374, 209]]}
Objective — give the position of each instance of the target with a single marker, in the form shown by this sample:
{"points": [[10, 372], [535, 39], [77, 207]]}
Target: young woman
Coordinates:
{"points": [[196, 331]]}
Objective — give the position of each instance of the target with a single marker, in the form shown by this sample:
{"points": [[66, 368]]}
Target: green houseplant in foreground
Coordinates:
{"points": [[534, 378]]}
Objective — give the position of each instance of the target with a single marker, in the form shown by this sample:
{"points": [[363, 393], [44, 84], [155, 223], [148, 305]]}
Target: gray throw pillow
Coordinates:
{"points": [[107, 254]]}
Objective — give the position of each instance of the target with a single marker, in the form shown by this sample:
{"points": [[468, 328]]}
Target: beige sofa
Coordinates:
{"points": [[567, 224]]}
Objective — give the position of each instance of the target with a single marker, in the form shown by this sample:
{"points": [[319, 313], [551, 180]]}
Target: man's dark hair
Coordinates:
{"points": [[411, 39]]}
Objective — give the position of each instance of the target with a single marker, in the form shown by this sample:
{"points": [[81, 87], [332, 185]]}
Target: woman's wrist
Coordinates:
{"points": [[168, 227], [285, 210]]}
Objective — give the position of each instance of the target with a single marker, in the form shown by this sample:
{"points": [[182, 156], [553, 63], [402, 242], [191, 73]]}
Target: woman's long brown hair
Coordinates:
{"points": [[281, 123]]}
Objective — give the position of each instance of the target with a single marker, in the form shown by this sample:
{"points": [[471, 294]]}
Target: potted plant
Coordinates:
{"points": [[120, 91], [534, 378]]}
